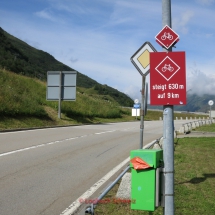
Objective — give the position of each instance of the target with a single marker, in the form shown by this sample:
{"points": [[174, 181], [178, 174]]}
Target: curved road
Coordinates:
{"points": [[43, 171]]}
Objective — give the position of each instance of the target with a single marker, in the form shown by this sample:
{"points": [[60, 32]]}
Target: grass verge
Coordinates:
{"points": [[194, 181], [24, 105], [206, 128], [51, 119]]}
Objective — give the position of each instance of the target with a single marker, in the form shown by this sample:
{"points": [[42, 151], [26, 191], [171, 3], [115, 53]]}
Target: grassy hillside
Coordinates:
{"points": [[19, 57], [23, 98], [24, 105]]}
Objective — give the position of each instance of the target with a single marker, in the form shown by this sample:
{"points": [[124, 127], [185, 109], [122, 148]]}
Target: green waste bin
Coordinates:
{"points": [[143, 181]]}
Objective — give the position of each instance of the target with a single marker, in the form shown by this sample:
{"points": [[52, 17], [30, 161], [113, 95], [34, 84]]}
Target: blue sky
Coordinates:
{"points": [[98, 37]]}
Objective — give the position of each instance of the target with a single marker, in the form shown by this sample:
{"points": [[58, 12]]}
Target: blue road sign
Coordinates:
{"points": [[136, 105]]}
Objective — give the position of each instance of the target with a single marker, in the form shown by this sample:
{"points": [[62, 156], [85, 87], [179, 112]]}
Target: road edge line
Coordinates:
{"points": [[77, 203]]}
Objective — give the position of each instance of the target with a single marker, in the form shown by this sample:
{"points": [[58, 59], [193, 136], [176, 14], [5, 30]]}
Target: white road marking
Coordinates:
{"points": [[50, 143], [105, 132], [77, 203], [126, 129], [37, 146]]}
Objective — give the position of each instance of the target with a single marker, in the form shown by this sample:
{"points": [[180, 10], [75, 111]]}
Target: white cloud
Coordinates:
{"points": [[73, 60], [133, 92], [98, 37], [46, 14], [182, 22], [82, 6], [206, 2], [200, 82], [209, 35]]}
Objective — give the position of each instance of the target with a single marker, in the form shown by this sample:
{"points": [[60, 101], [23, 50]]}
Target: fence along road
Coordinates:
{"points": [[43, 171]]}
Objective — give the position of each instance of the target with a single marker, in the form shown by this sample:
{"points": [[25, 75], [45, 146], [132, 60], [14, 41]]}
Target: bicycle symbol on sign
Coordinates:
{"points": [[167, 67], [167, 36]]}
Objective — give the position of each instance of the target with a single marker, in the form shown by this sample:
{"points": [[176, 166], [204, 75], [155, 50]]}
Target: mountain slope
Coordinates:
{"points": [[196, 103], [23, 96], [19, 57]]}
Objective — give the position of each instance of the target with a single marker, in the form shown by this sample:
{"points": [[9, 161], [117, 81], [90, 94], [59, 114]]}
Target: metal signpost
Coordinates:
{"points": [[168, 88], [146, 98], [61, 85], [210, 103], [140, 60]]}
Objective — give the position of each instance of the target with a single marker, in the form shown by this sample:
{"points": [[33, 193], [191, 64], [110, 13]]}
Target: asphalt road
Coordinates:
{"points": [[43, 171]]}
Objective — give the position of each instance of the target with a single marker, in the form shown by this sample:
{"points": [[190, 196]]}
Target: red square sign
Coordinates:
{"points": [[167, 78]]}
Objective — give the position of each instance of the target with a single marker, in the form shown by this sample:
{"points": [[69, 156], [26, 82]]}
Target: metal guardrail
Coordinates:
{"points": [[187, 127], [90, 209]]}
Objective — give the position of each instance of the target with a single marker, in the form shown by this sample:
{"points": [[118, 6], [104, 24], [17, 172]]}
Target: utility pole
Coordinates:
{"points": [[168, 132], [143, 69], [60, 92], [142, 110]]}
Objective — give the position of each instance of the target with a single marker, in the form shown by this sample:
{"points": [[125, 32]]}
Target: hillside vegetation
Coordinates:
{"points": [[24, 105], [23, 97], [23, 73], [19, 57]]}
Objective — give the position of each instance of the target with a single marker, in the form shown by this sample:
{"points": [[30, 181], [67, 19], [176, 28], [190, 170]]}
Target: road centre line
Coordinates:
{"points": [[105, 132], [37, 146], [50, 143]]}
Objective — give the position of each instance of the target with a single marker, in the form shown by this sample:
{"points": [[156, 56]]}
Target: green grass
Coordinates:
{"points": [[21, 96], [21, 58], [24, 105], [206, 128], [194, 181]]}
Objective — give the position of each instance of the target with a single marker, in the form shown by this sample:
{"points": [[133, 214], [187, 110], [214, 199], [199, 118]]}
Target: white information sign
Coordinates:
{"points": [[64, 82], [135, 112]]}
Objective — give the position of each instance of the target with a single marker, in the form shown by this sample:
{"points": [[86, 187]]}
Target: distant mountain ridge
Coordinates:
{"points": [[19, 57], [195, 103]]}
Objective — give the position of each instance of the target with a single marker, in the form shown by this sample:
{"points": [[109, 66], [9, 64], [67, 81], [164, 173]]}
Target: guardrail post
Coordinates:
{"points": [[193, 125]]}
